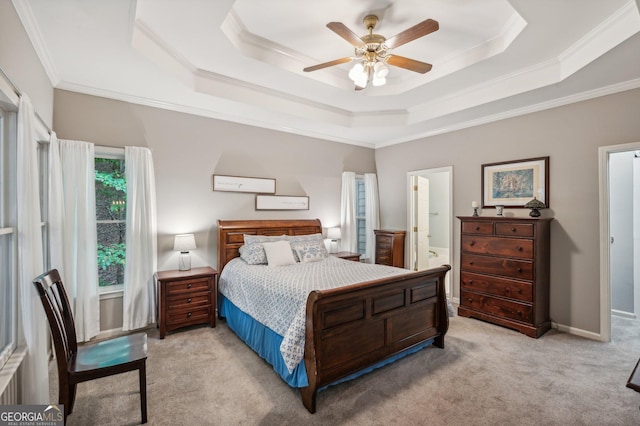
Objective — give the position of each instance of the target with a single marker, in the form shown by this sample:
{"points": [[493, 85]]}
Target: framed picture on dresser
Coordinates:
{"points": [[514, 183]]}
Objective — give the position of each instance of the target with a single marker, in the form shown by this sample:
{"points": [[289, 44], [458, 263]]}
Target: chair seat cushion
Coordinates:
{"points": [[113, 352]]}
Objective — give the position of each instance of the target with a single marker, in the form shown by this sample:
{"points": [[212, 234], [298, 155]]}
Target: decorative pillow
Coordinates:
{"points": [[310, 251], [279, 253], [298, 241], [253, 254]]}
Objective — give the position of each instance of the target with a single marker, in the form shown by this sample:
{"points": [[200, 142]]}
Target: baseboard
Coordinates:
{"points": [[577, 331], [623, 314]]}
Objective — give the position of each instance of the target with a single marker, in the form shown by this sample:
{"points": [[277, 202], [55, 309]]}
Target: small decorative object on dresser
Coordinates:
{"points": [[535, 205], [347, 255], [499, 210], [474, 206], [390, 247], [504, 272], [186, 298]]}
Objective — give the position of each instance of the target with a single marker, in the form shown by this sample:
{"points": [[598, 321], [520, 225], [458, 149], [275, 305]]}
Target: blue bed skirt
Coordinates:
{"points": [[266, 343]]}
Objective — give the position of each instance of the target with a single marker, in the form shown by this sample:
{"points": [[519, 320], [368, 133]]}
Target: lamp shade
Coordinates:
{"points": [[184, 242], [334, 233]]}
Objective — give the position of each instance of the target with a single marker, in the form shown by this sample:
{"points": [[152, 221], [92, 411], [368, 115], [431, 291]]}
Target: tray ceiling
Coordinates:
{"points": [[242, 60]]}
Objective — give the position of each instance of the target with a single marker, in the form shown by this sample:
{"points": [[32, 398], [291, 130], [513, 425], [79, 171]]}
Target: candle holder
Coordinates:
{"points": [[475, 206], [475, 211]]}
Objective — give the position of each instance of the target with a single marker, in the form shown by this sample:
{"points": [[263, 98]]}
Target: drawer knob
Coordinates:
{"points": [[472, 243], [189, 285], [189, 300], [469, 300], [470, 263], [513, 229], [519, 269], [477, 228], [470, 281], [189, 315], [519, 248]]}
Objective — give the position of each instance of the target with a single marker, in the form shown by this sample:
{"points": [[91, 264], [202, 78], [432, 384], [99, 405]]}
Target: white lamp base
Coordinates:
{"points": [[184, 261], [333, 246]]}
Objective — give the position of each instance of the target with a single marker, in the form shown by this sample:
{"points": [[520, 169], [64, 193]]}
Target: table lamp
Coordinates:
{"points": [[334, 234], [183, 243]]}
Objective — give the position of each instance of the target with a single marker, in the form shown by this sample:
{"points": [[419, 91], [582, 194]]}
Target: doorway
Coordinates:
{"points": [[619, 268], [429, 230]]}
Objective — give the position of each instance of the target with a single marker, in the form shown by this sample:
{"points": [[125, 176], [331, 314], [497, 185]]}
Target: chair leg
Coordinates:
{"points": [[143, 391], [63, 397], [72, 396]]}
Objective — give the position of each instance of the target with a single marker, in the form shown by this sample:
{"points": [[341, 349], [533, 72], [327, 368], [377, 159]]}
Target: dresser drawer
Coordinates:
{"points": [[189, 301], [188, 316], [497, 286], [477, 227], [188, 286], [383, 241], [513, 247], [516, 229], [513, 268], [496, 306]]}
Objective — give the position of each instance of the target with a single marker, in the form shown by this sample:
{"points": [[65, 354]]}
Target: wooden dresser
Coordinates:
{"points": [[186, 298], [390, 247], [504, 272]]}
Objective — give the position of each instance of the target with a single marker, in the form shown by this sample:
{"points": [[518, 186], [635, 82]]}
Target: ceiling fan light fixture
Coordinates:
{"points": [[380, 70], [357, 71], [379, 81]]}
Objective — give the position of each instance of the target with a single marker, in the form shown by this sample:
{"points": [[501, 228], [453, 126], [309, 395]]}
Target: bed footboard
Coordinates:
{"points": [[352, 328]]}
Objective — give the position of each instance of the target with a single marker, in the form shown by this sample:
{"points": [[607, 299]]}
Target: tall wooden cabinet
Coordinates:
{"points": [[389, 247], [504, 272]]}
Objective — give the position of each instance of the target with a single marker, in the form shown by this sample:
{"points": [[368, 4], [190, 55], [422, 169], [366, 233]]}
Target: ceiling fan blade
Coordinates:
{"points": [[328, 64], [410, 34], [409, 64], [344, 32]]}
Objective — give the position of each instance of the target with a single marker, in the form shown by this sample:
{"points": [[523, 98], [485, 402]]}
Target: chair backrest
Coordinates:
{"points": [[56, 305]]}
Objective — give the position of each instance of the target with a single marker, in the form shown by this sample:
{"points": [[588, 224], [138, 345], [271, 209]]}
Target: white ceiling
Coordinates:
{"points": [[242, 60]]}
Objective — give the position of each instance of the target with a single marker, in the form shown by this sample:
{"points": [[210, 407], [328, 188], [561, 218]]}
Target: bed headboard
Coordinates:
{"points": [[231, 233]]}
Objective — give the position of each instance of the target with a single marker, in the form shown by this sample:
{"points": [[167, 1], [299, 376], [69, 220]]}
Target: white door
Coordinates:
{"points": [[421, 188]]}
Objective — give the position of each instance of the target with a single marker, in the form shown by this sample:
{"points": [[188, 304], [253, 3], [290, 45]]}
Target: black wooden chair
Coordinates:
{"points": [[91, 361]]}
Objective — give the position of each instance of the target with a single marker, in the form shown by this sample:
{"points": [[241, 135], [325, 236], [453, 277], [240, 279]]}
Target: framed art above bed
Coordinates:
{"points": [[244, 184]]}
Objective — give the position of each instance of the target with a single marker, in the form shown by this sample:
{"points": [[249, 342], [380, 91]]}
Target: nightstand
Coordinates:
{"points": [[347, 255], [186, 298]]}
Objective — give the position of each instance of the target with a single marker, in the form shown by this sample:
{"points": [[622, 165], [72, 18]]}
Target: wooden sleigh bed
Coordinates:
{"points": [[352, 328]]}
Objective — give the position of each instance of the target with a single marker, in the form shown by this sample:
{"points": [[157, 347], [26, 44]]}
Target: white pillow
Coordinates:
{"points": [[279, 253]]}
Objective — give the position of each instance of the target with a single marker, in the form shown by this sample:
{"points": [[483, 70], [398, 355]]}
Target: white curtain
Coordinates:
{"points": [[33, 321], [141, 262], [72, 217], [372, 208], [348, 226]]}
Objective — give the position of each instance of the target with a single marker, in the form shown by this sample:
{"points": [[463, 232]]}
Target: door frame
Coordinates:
{"points": [[605, 234], [410, 240]]}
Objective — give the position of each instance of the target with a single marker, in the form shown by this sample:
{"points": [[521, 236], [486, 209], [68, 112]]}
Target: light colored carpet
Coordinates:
{"points": [[486, 375]]}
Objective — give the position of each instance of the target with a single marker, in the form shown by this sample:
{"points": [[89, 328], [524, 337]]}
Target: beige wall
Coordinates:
{"points": [[19, 60], [570, 136], [188, 150]]}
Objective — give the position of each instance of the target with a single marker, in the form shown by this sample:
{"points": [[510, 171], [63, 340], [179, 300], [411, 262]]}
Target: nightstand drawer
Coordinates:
{"points": [[512, 289], [182, 316], [191, 300], [520, 269], [512, 247], [496, 306], [188, 286]]}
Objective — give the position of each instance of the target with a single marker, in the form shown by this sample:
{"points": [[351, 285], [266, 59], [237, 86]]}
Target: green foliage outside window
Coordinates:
{"points": [[111, 195]]}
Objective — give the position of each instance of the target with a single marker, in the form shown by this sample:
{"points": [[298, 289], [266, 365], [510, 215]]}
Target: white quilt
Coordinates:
{"points": [[276, 296]]}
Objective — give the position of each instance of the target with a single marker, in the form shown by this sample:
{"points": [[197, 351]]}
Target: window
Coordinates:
{"points": [[361, 214], [111, 198], [8, 244]]}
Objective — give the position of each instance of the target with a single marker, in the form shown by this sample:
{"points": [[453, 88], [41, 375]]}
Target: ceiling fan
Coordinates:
{"points": [[372, 51]]}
